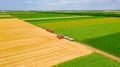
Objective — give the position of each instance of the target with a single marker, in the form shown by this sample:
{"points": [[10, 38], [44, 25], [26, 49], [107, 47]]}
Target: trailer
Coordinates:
{"points": [[60, 36], [68, 38]]}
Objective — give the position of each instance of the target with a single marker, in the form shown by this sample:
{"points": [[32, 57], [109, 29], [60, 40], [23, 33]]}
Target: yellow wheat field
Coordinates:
{"points": [[25, 45]]}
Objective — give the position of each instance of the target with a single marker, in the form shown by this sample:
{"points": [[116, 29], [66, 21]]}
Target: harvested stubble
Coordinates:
{"points": [[23, 44]]}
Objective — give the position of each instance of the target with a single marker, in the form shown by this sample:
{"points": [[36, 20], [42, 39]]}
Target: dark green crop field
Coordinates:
{"points": [[109, 43], [38, 15], [92, 60]]}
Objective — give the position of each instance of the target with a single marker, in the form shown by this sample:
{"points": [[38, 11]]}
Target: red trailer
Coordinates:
{"points": [[59, 36]]}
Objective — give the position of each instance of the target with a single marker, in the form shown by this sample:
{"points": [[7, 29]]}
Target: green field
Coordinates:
{"points": [[38, 15], [82, 29], [109, 43], [92, 60]]}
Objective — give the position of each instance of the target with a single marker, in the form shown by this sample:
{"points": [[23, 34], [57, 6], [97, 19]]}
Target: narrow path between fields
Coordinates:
{"points": [[55, 18]]}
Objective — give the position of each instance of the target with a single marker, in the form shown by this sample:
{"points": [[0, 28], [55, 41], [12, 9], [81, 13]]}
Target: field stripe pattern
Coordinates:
{"points": [[23, 44]]}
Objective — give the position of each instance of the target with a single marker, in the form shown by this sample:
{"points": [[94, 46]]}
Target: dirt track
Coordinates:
{"points": [[55, 18], [23, 44]]}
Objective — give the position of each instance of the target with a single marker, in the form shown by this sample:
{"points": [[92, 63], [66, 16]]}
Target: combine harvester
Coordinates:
{"points": [[60, 36], [25, 45]]}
